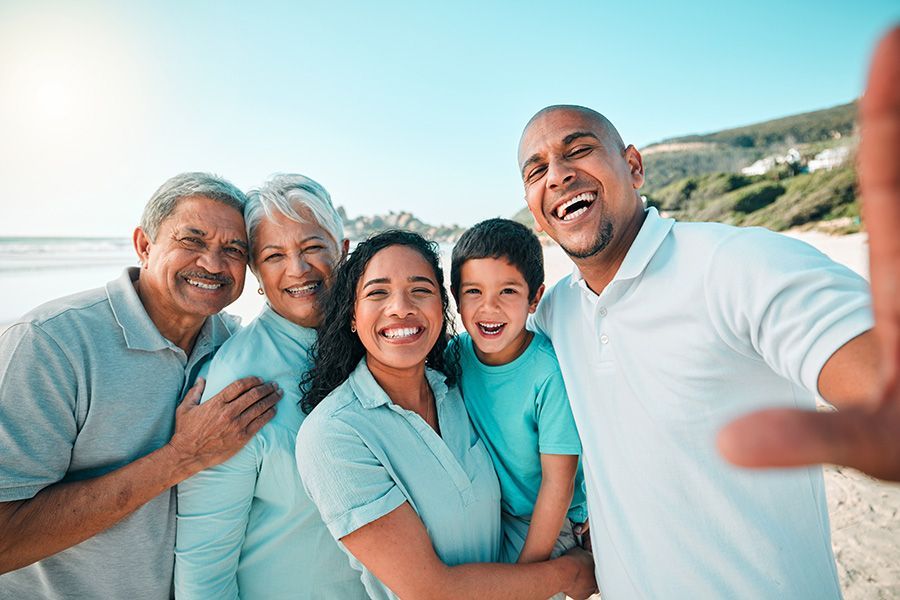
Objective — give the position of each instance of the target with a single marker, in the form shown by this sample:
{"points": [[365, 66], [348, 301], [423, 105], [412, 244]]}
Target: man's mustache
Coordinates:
{"points": [[213, 277]]}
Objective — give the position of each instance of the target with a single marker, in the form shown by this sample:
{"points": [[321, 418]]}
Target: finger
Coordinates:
{"points": [[255, 410], [879, 181], [236, 389], [259, 422], [192, 398], [790, 438]]}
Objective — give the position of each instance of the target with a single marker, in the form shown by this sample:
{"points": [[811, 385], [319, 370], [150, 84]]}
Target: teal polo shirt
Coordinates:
{"points": [[361, 456]]}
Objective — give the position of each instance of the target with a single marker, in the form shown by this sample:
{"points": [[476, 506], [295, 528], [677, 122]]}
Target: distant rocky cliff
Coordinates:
{"points": [[359, 228]]}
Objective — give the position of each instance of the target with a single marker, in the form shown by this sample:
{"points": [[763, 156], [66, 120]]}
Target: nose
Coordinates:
{"points": [[401, 306], [212, 261], [298, 266], [559, 174]]}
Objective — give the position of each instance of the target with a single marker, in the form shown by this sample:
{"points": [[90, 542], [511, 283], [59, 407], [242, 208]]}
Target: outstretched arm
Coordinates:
{"points": [[863, 436]]}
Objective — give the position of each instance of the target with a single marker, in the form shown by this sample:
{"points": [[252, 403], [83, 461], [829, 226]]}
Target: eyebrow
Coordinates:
{"points": [[508, 282], [303, 241], [566, 141], [411, 279], [202, 234]]}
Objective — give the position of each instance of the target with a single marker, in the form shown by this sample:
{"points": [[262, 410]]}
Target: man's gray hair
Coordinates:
{"points": [[166, 198], [289, 194]]}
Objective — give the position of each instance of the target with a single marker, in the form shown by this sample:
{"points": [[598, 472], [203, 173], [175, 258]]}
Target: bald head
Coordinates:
{"points": [[603, 124]]}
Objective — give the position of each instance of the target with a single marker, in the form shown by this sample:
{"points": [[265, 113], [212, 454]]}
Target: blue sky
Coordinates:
{"points": [[392, 106]]}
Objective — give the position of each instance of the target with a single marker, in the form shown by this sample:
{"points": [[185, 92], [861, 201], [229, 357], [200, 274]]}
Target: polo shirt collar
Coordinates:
{"points": [[653, 231], [370, 394], [138, 329]]}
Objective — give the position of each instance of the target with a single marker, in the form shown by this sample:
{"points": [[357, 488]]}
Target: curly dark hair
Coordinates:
{"points": [[338, 350]]}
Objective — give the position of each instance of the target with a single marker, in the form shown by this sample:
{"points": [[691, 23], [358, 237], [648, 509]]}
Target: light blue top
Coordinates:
{"points": [[521, 411], [246, 527], [364, 456]]}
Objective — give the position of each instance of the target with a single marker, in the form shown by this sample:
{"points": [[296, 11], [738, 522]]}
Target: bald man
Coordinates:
{"points": [[666, 332]]}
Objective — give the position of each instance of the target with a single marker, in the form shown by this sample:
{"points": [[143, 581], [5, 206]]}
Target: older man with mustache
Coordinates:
{"points": [[92, 433]]}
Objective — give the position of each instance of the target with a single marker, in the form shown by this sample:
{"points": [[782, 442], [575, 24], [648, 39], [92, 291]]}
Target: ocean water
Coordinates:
{"points": [[36, 270]]}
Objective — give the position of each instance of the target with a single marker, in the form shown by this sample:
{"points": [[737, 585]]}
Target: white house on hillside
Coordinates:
{"points": [[829, 159]]}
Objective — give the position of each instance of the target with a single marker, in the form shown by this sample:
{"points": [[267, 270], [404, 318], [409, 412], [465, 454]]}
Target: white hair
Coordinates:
{"points": [[289, 194]]}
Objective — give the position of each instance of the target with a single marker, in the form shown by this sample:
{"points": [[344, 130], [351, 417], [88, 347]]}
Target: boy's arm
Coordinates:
{"points": [[553, 501]]}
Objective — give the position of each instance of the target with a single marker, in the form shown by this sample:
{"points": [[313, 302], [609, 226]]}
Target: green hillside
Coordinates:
{"points": [[698, 177]]}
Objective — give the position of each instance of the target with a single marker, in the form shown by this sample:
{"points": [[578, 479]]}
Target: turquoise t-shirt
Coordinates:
{"points": [[246, 527], [521, 411]]}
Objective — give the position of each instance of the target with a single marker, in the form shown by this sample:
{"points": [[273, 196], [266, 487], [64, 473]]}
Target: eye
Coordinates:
{"points": [[193, 242], [536, 173], [509, 291], [316, 248], [579, 151], [273, 257], [471, 291], [235, 251], [376, 293], [422, 290]]}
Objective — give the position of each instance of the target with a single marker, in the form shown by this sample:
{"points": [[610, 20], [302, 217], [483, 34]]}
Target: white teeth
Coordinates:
{"points": [[303, 288], [204, 286], [588, 197], [491, 328], [401, 332]]}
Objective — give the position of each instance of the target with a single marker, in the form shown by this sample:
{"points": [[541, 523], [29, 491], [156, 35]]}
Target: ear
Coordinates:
{"points": [[532, 306], [635, 164], [142, 245], [345, 249]]}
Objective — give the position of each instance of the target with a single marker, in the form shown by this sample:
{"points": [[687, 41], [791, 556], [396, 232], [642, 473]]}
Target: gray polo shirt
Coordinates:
{"points": [[88, 385]]}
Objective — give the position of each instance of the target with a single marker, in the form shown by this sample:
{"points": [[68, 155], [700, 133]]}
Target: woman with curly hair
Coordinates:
{"points": [[388, 454]]}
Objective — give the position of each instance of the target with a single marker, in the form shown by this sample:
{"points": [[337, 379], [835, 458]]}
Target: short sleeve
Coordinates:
{"points": [[343, 477], [785, 302], [38, 392], [557, 433]]}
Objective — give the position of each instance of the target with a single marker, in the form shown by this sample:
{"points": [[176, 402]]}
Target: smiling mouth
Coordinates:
{"points": [[491, 329], [574, 208], [304, 290], [401, 333], [204, 284]]}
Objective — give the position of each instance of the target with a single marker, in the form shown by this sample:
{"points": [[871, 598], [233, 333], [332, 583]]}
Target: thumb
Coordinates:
{"points": [[192, 398], [791, 438]]}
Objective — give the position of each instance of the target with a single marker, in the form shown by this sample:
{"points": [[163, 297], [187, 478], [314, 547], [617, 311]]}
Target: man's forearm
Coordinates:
{"points": [[65, 514]]}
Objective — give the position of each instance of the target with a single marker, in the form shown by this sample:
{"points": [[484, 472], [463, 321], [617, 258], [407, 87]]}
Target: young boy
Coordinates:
{"points": [[514, 391]]}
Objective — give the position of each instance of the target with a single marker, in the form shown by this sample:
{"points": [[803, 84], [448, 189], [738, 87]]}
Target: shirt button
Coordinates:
{"points": [[602, 311], [604, 339]]}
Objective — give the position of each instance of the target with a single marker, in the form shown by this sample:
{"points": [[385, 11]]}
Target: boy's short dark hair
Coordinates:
{"points": [[500, 238]]}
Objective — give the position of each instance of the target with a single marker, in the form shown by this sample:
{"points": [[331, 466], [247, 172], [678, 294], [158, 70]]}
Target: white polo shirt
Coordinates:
{"points": [[703, 322]]}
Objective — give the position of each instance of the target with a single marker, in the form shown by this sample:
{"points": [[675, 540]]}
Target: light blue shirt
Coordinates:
{"points": [[702, 323], [521, 411], [246, 527], [362, 456]]}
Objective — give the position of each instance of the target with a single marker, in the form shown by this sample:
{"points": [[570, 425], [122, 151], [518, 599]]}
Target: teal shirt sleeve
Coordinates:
{"points": [[557, 433], [213, 510], [350, 486]]}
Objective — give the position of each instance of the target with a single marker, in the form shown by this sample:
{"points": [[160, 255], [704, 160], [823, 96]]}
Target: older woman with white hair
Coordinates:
{"points": [[246, 528]]}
